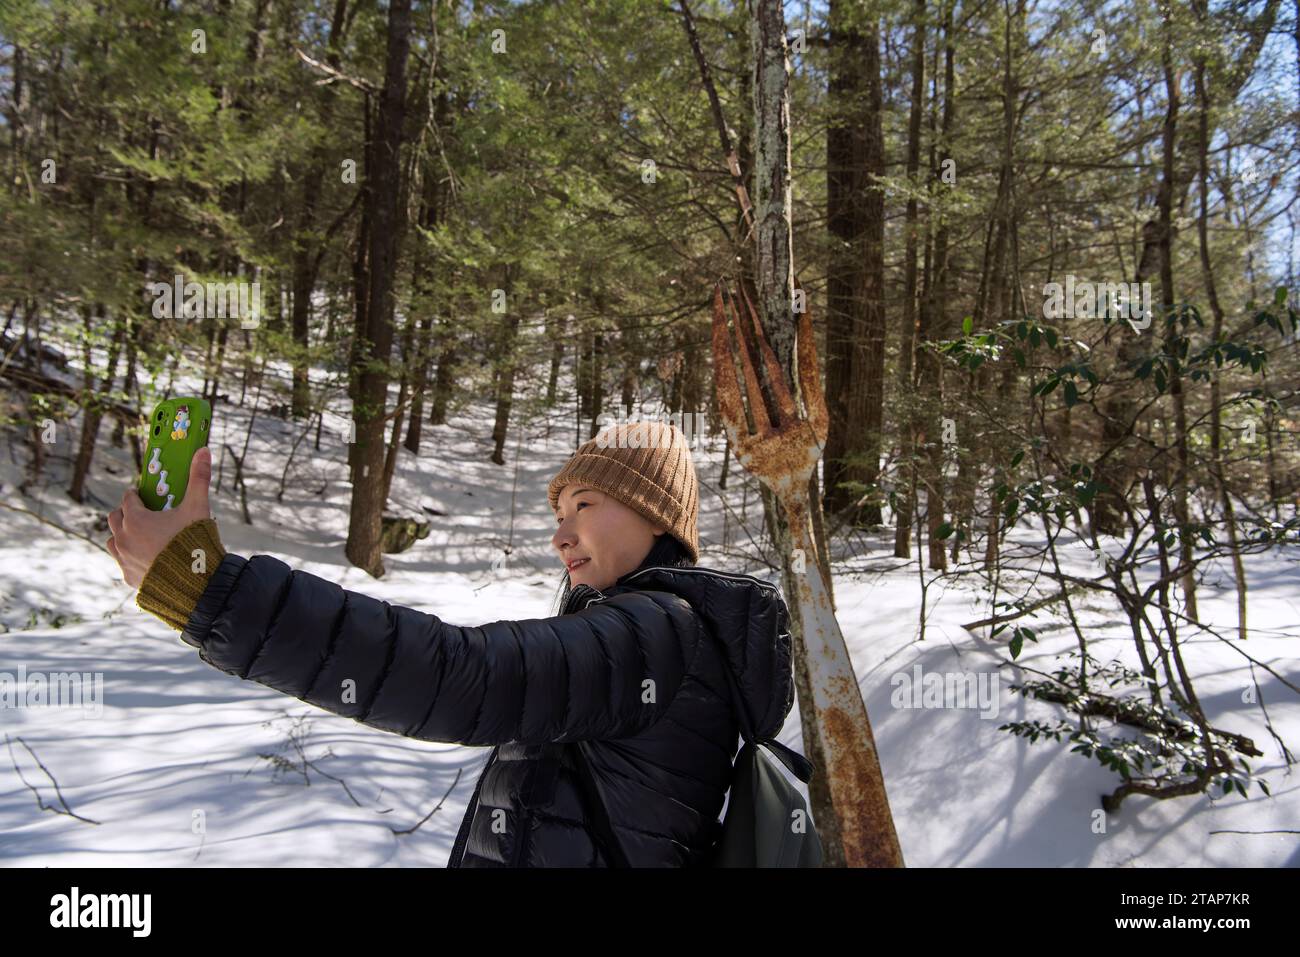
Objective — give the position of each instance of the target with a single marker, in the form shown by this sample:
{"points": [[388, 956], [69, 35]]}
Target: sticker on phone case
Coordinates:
{"points": [[182, 424]]}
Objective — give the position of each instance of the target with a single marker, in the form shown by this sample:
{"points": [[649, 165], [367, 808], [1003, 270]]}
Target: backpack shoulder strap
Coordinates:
{"points": [[795, 762]]}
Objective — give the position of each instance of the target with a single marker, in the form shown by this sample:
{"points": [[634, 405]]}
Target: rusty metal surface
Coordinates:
{"points": [[783, 455]]}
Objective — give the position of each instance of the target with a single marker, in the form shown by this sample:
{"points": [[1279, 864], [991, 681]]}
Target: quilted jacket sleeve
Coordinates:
{"points": [[608, 671]]}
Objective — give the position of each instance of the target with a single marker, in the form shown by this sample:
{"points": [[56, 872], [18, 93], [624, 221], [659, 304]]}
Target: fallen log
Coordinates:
{"points": [[32, 381]]}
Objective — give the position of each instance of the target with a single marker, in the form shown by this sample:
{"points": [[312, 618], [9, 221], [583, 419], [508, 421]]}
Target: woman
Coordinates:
{"points": [[613, 717]]}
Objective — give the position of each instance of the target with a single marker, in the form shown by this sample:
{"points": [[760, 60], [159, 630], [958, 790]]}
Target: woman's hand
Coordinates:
{"points": [[139, 533]]}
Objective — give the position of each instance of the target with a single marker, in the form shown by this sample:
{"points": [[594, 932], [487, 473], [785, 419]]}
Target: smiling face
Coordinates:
{"points": [[612, 538]]}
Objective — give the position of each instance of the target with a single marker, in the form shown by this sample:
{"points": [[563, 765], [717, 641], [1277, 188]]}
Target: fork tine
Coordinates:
{"points": [[814, 397], [724, 376], [775, 374], [757, 408]]}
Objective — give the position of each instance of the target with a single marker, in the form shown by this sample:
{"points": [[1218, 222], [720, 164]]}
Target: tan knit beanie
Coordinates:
{"points": [[646, 466]]}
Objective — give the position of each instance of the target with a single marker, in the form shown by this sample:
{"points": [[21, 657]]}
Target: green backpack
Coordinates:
{"points": [[763, 810], [767, 821]]}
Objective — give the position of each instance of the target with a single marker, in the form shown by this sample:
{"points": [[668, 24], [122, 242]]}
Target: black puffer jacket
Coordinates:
{"points": [[632, 670]]}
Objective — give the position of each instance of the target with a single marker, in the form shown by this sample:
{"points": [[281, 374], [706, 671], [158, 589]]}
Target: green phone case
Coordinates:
{"points": [[178, 428]]}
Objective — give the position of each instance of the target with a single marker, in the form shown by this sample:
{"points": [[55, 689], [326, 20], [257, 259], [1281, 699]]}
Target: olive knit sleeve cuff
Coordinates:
{"points": [[179, 574]]}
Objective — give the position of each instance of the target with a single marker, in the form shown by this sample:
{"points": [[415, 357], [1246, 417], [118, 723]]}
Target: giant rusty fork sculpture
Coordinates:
{"points": [[783, 457]]}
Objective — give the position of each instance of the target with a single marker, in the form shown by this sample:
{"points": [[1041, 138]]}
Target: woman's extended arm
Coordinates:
{"points": [[608, 671]]}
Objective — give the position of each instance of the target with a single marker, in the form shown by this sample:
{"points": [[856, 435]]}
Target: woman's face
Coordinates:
{"points": [[612, 538]]}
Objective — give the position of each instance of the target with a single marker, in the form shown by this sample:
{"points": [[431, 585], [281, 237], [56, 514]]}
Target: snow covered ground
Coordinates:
{"points": [[177, 768]]}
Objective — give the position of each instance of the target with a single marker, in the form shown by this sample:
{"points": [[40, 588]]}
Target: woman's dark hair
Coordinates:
{"points": [[666, 550]]}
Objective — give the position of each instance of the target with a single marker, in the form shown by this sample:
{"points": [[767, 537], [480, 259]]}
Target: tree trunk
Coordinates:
{"points": [[420, 377], [306, 258], [999, 298], [94, 413], [907, 331], [934, 320], [403, 391], [1211, 294], [558, 328], [443, 380], [384, 203], [855, 320], [505, 387], [1165, 207], [432, 212]]}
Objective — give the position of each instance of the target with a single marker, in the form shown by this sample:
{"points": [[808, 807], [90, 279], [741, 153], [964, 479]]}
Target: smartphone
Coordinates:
{"points": [[178, 428]]}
